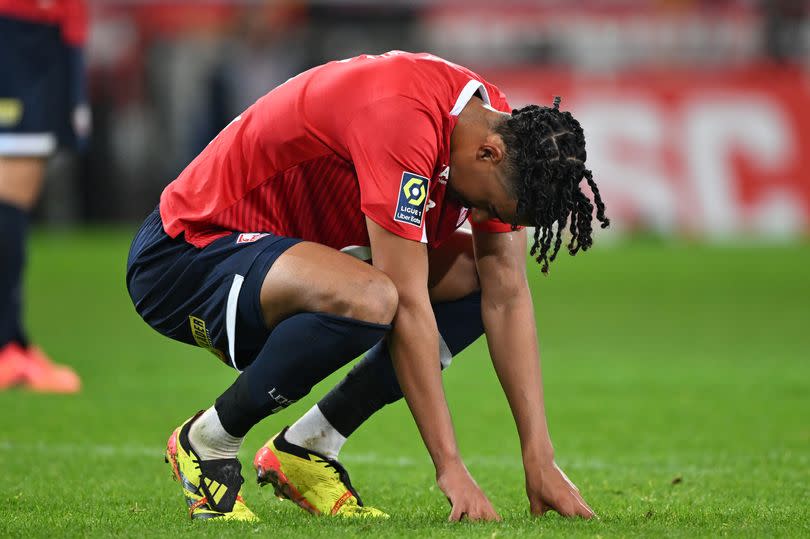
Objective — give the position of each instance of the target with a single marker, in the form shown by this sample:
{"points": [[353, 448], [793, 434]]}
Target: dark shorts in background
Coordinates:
{"points": [[204, 297], [43, 100]]}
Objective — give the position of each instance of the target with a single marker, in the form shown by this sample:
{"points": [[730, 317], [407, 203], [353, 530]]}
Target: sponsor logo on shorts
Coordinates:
{"points": [[10, 112], [413, 191], [203, 337], [250, 237]]}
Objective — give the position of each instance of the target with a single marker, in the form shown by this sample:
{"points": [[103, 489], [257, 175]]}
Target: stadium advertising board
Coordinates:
{"points": [[721, 154]]}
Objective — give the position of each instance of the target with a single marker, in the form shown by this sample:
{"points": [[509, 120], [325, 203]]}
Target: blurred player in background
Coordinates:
{"points": [[42, 106], [253, 254]]}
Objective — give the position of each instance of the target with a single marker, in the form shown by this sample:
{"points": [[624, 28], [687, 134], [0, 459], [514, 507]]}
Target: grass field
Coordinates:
{"points": [[677, 384]]}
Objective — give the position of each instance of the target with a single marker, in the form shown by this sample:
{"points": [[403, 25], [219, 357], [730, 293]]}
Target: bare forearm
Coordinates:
{"points": [[512, 339], [508, 313], [414, 346]]}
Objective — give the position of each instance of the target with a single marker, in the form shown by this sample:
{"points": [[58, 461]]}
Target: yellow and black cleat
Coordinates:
{"points": [[212, 488], [312, 481]]}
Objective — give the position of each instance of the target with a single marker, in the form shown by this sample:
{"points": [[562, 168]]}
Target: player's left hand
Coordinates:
{"points": [[549, 489]]}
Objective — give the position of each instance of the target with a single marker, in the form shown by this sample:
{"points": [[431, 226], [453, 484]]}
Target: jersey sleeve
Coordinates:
{"points": [[393, 145]]}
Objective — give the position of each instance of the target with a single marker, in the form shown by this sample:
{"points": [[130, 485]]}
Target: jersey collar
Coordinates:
{"points": [[467, 93]]}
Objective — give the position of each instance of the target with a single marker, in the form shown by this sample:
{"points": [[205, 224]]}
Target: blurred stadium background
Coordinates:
{"points": [[695, 111]]}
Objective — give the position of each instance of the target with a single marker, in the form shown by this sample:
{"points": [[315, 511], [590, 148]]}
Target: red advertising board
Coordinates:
{"points": [[717, 153]]}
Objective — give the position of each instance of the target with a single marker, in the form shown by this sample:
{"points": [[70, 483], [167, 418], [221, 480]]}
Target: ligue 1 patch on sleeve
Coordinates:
{"points": [[413, 191]]}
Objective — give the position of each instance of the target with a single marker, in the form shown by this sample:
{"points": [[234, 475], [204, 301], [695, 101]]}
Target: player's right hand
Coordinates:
{"points": [[465, 496], [549, 489]]}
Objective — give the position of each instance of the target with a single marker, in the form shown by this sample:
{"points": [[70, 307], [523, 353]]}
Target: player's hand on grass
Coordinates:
{"points": [[549, 489], [465, 496]]}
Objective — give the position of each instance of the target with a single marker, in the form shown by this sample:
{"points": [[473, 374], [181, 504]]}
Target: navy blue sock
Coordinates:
{"points": [[372, 383], [13, 235], [300, 352]]}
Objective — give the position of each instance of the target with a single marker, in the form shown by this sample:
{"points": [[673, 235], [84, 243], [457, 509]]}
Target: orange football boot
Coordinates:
{"points": [[43, 375], [12, 365]]}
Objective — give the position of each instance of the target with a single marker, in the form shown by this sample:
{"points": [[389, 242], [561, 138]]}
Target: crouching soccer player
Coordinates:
{"points": [[256, 253]]}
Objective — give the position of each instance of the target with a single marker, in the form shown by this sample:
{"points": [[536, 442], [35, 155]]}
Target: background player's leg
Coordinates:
{"points": [[372, 383], [21, 180], [35, 85], [325, 308], [20, 183]]}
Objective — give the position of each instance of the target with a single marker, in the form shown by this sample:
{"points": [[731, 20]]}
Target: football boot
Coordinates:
{"points": [[43, 375], [312, 481], [212, 488], [12, 365]]}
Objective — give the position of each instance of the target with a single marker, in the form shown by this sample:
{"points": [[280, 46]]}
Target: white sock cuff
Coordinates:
{"points": [[211, 440], [314, 432]]}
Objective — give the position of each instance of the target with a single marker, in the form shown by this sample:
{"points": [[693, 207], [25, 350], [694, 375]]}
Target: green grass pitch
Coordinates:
{"points": [[677, 383]]}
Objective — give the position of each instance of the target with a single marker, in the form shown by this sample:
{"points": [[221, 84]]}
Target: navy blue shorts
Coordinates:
{"points": [[43, 99], [206, 297]]}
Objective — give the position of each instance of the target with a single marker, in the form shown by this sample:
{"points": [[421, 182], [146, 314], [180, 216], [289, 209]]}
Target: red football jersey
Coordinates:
{"points": [[368, 136], [69, 15]]}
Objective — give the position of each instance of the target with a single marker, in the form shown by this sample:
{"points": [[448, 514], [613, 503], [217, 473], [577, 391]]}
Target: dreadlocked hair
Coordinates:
{"points": [[545, 156]]}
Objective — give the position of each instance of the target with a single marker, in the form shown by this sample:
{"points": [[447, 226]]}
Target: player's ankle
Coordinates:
{"points": [[210, 440], [314, 432]]}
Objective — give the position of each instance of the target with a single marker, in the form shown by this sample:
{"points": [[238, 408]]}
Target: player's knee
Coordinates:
{"points": [[381, 300], [371, 299], [21, 180]]}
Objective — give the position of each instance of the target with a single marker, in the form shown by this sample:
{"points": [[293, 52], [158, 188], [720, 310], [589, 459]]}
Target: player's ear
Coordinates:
{"points": [[492, 149]]}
